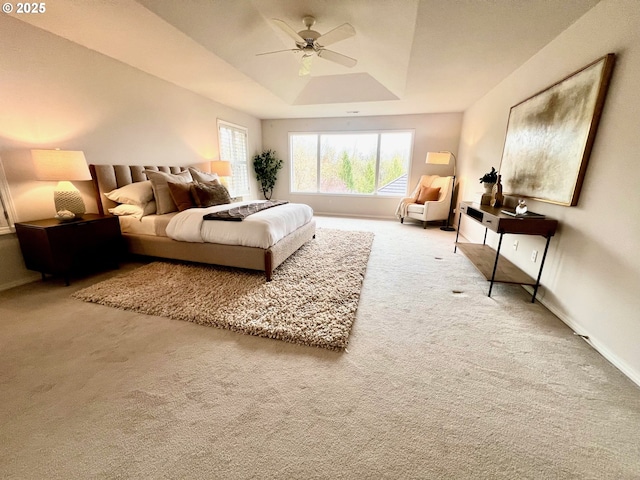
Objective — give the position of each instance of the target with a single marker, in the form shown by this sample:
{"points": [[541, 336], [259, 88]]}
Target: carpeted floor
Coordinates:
{"points": [[312, 299], [434, 385]]}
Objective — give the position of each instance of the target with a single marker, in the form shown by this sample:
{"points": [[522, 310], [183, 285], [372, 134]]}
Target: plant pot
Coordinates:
{"points": [[488, 187]]}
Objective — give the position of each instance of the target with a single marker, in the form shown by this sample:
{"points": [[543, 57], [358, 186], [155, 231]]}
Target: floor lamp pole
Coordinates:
{"points": [[447, 227]]}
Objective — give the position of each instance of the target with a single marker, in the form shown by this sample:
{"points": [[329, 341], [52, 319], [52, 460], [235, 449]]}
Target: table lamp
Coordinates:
{"points": [[63, 166], [223, 169]]}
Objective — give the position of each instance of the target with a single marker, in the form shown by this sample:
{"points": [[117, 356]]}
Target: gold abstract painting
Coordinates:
{"points": [[550, 136]]}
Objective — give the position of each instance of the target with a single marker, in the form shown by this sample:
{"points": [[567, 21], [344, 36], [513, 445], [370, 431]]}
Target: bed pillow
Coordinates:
{"points": [[159, 184], [181, 194], [208, 195], [200, 176], [137, 193], [428, 194], [135, 211]]}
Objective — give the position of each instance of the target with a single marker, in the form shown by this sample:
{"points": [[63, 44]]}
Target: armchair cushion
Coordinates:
{"points": [[428, 194]]}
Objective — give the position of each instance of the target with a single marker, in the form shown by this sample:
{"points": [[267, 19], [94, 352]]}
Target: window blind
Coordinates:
{"points": [[233, 148], [6, 208]]}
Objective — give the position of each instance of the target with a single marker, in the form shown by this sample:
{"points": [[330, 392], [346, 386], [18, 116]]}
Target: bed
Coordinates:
{"points": [[148, 235]]}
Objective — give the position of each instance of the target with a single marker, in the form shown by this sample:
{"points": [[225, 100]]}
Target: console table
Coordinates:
{"points": [[488, 261]]}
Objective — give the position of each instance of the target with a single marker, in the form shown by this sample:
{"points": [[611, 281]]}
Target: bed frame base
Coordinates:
{"points": [[251, 258]]}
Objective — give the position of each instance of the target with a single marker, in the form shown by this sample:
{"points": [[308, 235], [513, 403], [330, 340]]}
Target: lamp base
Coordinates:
{"points": [[70, 200], [448, 229]]}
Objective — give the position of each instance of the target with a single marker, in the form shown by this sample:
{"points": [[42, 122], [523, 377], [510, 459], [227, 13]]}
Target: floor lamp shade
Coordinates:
{"points": [[438, 158], [63, 166]]}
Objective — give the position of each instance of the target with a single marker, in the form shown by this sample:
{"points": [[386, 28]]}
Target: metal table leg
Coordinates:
{"points": [[495, 264], [535, 289]]}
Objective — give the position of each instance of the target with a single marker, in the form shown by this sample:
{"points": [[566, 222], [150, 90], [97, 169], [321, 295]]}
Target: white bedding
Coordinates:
{"points": [[262, 229]]}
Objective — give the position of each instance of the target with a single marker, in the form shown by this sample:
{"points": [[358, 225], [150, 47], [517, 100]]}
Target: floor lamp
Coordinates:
{"points": [[444, 158]]}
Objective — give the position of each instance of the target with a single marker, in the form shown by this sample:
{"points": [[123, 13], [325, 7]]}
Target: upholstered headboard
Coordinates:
{"points": [[109, 177]]}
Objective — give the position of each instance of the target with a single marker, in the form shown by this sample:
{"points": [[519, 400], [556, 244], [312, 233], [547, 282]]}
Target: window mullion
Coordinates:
{"points": [[318, 159], [377, 170]]}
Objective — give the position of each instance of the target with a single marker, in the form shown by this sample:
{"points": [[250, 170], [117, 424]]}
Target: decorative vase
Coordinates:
{"points": [[521, 209], [488, 187], [497, 198]]}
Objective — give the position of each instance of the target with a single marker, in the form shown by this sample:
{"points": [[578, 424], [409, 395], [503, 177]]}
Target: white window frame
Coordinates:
{"points": [[341, 132], [6, 205], [239, 181]]}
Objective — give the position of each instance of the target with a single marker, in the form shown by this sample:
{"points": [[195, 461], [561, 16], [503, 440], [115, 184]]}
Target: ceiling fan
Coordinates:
{"points": [[310, 43]]}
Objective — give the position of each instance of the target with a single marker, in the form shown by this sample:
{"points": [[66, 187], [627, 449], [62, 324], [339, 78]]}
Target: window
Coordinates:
{"points": [[6, 207], [233, 148], [351, 163]]}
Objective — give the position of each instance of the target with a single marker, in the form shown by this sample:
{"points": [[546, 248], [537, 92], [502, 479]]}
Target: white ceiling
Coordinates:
{"points": [[414, 56]]}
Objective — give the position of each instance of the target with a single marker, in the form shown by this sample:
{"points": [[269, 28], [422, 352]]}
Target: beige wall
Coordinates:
{"points": [[592, 275], [54, 93], [433, 132]]}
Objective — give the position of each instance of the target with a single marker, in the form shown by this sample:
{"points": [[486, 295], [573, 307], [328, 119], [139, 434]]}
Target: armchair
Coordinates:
{"points": [[430, 210]]}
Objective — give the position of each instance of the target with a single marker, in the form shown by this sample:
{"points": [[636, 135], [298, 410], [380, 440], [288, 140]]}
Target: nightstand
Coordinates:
{"points": [[61, 248]]}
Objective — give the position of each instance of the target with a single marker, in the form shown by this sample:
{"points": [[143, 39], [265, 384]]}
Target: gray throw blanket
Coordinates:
{"points": [[237, 214]]}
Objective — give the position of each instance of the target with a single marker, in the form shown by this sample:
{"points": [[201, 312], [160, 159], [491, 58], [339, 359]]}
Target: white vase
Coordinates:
{"points": [[488, 187]]}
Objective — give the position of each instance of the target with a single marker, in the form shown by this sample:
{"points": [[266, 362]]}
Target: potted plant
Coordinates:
{"points": [[489, 179], [266, 166]]}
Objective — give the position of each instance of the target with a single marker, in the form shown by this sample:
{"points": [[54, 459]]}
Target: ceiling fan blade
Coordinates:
{"points": [[279, 51], [337, 34], [289, 31], [305, 65], [337, 57]]}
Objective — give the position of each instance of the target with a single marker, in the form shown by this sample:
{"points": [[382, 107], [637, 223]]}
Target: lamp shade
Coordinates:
{"points": [[221, 167], [438, 158], [63, 166], [60, 165]]}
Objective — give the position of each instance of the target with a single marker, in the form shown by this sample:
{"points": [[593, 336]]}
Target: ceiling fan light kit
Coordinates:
{"points": [[310, 43]]}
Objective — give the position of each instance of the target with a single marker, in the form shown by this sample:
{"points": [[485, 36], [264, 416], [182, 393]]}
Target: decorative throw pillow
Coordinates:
{"points": [[159, 183], [135, 211], [428, 194], [136, 193], [208, 195], [200, 176], [181, 194]]}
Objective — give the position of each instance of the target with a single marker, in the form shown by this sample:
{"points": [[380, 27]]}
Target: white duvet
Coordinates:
{"points": [[262, 229]]}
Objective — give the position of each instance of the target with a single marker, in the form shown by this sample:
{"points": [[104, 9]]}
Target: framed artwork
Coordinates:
{"points": [[550, 136]]}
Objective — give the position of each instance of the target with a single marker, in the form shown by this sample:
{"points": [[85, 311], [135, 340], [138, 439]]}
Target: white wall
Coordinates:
{"points": [[433, 132], [592, 275], [54, 93]]}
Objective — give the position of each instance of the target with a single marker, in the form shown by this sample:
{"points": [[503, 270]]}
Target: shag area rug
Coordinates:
{"points": [[311, 300]]}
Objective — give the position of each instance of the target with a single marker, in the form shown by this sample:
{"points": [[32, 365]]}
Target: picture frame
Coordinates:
{"points": [[550, 136]]}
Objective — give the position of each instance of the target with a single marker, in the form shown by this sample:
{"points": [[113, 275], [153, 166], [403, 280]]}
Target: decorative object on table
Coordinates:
{"points": [[224, 171], [312, 300], [444, 157], [497, 198], [65, 216], [550, 136], [489, 179], [521, 209], [266, 166], [63, 166]]}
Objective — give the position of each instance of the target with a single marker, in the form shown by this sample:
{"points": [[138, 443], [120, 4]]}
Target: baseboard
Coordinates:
{"points": [[611, 357], [17, 283], [351, 215]]}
